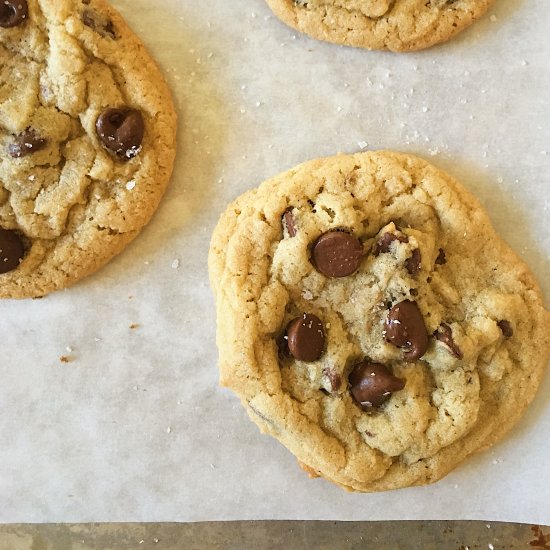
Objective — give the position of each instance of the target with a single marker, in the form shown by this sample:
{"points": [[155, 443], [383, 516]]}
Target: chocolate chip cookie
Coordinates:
{"points": [[397, 25], [372, 321], [87, 134]]}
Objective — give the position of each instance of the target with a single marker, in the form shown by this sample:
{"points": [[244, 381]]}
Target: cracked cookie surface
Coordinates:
{"points": [[372, 321], [87, 133], [397, 25]]}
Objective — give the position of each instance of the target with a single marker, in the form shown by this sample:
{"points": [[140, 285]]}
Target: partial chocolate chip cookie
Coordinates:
{"points": [[87, 134], [371, 320], [397, 25]]}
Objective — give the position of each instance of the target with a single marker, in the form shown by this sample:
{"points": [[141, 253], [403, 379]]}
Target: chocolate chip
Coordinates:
{"points": [[441, 260], [282, 345], [13, 13], [99, 23], [405, 328], [306, 337], [414, 263], [12, 250], [384, 242], [445, 335], [121, 131], [337, 254], [25, 143], [334, 378], [372, 384], [289, 221], [506, 328]]}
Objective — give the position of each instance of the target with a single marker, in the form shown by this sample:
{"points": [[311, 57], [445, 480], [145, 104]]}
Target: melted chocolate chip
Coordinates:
{"points": [[384, 242], [506, 328], [99, 23], [337, 254], [121, 131], [13, 13], [445, 335], [441, 260], [334, 378], [12, 250], [289, 221], [25, 143], [372, 384], [414, 263], [306, 337], [405, 329]]}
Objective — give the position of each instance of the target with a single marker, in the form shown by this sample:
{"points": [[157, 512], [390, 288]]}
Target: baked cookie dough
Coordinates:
{"points": [[87, 134], [372, 321], [396, 25]]}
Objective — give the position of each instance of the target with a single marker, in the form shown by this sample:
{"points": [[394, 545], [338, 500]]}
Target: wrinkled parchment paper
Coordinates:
{"points": [[134, 426]]}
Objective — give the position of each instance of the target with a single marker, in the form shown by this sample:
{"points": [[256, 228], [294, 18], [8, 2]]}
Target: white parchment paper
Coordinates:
{"points": [[134, 427]]}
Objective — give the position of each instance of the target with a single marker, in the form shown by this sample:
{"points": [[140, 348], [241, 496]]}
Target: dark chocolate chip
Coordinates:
{"points": [[25, 143], [282, 345], [13, 13], [405, 328], [445, 335], [441, 260], [414, 263], [306, 337], [99, 23], [372, 384], [121, 131], [337, 254], [506, 328], [289, 221], [334, 378], [12, 250], [384, 242]]}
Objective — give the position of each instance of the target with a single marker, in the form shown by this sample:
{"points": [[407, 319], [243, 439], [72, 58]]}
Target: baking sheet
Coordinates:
{"points": [[133, 427]]}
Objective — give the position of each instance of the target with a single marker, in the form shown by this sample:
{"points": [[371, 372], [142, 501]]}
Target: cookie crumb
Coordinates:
{"points": [[134, 326], [175, 264], [307, 295], [66, 359], [493, 18]]}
